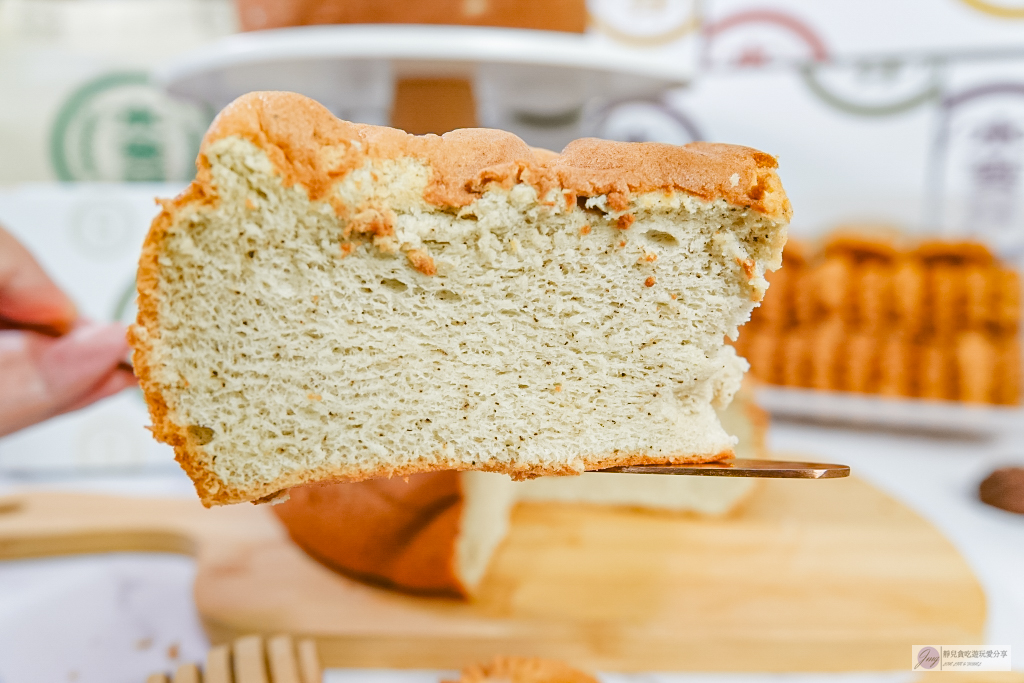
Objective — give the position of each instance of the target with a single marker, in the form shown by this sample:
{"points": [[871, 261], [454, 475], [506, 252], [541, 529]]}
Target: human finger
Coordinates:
{"points": [[42, 376], [27, 294]]}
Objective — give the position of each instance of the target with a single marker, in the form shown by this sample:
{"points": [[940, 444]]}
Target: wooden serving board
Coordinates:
{"points": [[808, 576]]}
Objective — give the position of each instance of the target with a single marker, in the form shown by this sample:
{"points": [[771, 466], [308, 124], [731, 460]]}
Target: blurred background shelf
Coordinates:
{"points": [[908, 414]]}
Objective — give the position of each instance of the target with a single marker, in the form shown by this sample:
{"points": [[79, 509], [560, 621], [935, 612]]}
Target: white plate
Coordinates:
{"points": [[518, 74], [890, 413]]}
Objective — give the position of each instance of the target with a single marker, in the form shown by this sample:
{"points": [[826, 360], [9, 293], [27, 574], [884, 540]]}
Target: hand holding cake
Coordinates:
{"points": [[51, 361]]}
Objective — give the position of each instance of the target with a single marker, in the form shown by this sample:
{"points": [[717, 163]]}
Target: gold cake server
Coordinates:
{"points": [[740, 467]]}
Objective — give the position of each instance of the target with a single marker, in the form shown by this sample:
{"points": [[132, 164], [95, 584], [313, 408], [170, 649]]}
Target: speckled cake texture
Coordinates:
{"points": [[334, 301]]}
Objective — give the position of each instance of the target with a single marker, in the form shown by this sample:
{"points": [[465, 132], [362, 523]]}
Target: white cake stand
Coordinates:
{"points": [[535, 83]]}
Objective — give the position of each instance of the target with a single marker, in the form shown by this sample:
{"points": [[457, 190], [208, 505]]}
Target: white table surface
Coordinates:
{"points": [[116, 618]]}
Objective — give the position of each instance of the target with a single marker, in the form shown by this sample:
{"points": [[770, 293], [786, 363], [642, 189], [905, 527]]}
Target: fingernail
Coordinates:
{"points": [[83, 357]]}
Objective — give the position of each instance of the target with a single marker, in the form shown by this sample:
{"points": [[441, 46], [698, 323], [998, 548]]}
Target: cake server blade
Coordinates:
{"points": [[772, 469]]}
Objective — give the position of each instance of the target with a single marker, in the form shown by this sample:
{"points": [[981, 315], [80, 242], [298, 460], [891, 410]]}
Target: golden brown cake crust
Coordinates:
{"points": [[739, 175], [544, 15], [398, 532], [187, 449], [523, 670], [309, 146]]}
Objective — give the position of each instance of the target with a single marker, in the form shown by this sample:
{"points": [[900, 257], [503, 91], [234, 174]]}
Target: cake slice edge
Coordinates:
{"points": [[294, 132]]}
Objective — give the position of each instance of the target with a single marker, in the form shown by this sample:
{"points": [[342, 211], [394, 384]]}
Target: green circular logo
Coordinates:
{"points": [[882, 88], [121, 127]]}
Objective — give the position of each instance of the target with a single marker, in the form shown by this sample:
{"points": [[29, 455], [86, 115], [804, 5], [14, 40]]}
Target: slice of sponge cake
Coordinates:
{"points": [[335, 301], [436, 533]]}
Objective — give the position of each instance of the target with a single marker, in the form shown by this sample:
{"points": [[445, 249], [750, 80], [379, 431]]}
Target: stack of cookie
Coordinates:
{"points": [[871, 312]]}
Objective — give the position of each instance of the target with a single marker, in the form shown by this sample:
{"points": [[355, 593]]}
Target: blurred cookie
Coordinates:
{"points": [[908, 295], [861, 363], [1004, 489], [523, 670], [975, 364], [873, 289]]}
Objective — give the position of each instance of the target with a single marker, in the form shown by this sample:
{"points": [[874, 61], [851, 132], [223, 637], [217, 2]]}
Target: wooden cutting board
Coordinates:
{"points": [[808, 576]]}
